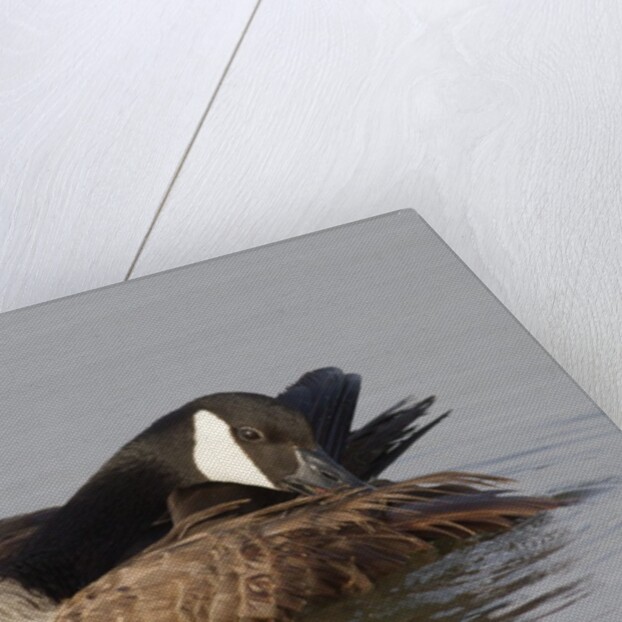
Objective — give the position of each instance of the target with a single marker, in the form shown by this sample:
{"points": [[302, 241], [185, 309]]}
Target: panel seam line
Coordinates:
{"points": [[188, 149]]}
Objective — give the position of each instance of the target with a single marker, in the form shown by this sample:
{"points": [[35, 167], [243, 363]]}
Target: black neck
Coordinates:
{"points": [[91, 532]]}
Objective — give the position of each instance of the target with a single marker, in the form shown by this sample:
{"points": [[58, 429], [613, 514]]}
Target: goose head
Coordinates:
{"points": [[232, 438], [244, 438]]}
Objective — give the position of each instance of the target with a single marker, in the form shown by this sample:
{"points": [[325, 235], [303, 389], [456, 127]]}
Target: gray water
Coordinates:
{"points": [[384, 298]]}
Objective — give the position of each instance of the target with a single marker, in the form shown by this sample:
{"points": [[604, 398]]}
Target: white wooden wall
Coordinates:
{"points": [[136, 137]]}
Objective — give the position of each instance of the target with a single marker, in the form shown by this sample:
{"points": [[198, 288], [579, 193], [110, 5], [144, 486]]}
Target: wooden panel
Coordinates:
{"points": [[98, 102], [499, 121]]}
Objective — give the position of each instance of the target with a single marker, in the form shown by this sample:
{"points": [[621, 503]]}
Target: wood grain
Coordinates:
{"points": [[97, 106], [499, 121]]}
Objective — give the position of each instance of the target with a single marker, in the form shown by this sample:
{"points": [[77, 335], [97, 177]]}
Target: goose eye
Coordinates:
{"points": [[250, 435]]}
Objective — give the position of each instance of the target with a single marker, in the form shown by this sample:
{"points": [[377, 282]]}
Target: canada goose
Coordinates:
{"points": [[270, 564], [223, 449]]}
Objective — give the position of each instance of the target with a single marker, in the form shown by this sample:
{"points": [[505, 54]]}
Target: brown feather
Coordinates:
{"points": [[269, 564], [14, 531]]}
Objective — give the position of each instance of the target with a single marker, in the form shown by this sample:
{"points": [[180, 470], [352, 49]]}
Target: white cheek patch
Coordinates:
{"points": [[218, 456]]}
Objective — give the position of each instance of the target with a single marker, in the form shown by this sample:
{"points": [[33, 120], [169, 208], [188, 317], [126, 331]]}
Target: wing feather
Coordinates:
{"points": [[268, 565]]}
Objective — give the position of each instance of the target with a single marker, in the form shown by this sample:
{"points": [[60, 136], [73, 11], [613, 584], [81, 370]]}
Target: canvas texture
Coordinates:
{"points": [[387, 299]]}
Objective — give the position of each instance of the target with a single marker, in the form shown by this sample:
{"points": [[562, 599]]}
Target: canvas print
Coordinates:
{"points": [[346, 427]]}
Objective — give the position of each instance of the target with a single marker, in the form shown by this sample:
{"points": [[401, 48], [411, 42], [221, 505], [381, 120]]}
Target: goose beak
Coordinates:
{"points": [[317, 471]]}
